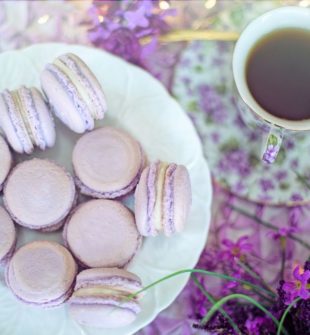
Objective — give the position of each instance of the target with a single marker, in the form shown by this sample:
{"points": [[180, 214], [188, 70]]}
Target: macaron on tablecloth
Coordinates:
{"points": [[40, 195]]}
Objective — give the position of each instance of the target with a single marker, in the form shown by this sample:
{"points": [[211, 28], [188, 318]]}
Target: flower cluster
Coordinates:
{"points": [[119, 27]]}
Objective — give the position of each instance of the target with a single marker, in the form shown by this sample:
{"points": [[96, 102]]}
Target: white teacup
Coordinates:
{"points": [[252, 112]]}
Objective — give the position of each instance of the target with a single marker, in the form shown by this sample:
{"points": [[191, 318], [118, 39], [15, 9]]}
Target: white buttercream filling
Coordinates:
{"points": [[96, 291], [21, 108], [158, 209], [77, 83]]}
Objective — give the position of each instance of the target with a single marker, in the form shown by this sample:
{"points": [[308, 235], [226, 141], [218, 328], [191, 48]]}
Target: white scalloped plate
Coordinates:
{"points": [[139, 104]]}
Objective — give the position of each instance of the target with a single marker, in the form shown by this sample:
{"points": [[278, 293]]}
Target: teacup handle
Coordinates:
{"points": [[272, 145]]}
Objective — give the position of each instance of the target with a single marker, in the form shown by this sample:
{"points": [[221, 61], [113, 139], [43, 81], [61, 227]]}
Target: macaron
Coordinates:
{"points": [[108, 163], [26, 120], [39, 194], [7, 236], [5, 161], [162, 199], [74, 92], [102, 233], [42, 273], [101, 298]]}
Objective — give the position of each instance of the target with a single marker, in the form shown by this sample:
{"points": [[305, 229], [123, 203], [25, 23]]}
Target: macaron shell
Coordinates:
{"points": [[102, 233], [93, 80], [7, 236], [103, 273], [45, 117], [182, 197], [101, 315], [39, 194], [107, 161], [62, 104], [10, 130], [5, 161], [41, 272], [141, 203]]}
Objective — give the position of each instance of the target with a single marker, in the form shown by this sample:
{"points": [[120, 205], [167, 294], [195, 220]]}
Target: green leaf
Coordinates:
{"points": [[192, 106], [230, 145], [284, 186], [272, 140], [198, 68]]}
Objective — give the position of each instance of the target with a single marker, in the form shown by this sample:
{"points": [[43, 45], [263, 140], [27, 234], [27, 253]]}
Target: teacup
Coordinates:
{"points": [[252, 112]]}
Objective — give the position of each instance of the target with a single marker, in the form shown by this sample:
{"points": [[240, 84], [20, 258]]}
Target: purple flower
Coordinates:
{"points": [[236, 160], [296, 197], [281, 175], [253, 325], [271, 153], [282, 232], [211, 103], [236, 249], [136, 18], [123, 42], [299, 287], [266, 184]]}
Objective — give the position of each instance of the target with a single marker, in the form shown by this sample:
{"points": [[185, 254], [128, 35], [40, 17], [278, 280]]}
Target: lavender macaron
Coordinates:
{"points": [[162, 199], [39, 194], [102, 233], [7, 236], [101, 298], [41, 273], [108, 163], [26, 120], [74, 92], [5, 161]]}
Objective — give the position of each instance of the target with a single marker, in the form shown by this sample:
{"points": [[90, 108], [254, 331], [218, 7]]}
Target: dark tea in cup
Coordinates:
{"points": [[278, 73]]}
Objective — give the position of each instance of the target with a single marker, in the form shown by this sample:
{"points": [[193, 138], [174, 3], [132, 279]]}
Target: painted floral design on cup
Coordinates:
{"points": [[204, 86]]}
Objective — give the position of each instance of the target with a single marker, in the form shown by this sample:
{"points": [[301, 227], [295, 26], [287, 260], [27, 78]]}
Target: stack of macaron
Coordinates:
{"points": [[101, 236]]}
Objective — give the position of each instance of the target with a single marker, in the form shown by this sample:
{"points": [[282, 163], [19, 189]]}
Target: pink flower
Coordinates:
{"points": [[299, 287], [237, 249]]}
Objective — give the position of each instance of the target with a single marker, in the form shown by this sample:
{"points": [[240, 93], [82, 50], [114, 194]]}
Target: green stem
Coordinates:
{"points": [[270, 226], [283, 255], [302, 179], [280, 326], [205, 272], [213, 301], [222, 301], [246, 267]]}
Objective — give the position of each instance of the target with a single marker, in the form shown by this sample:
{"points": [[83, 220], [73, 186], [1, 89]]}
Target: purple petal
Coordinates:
{"points": [[228, 243], [296, 273], [304, 293]]}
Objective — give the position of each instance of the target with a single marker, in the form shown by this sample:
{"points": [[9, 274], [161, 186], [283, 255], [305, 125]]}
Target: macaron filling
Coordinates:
{"points": [[73, 94], [83, 84], [168, 202], [17, 122], [151, 196], [31, 118]]}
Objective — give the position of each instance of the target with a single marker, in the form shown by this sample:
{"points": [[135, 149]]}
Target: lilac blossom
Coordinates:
{"points": [[236, 160], [210, 102]]}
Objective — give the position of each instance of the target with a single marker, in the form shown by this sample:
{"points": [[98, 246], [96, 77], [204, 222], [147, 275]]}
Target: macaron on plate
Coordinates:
{"points": [[133, 102]]}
